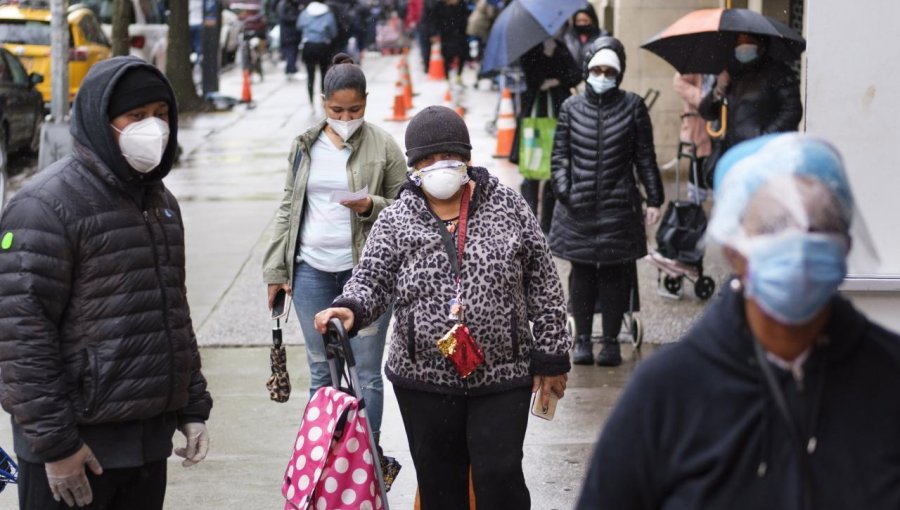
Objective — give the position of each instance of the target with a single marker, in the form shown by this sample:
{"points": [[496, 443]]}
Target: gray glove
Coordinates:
{"points": [[67, 479], [197, 443]]}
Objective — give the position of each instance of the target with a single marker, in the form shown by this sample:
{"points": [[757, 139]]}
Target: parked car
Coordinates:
{"points": [[21, 113], [149, 30], [25, 31]]}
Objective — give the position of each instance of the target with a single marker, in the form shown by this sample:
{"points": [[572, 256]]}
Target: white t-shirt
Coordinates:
{"points": [[325, 236], [195, 12]]}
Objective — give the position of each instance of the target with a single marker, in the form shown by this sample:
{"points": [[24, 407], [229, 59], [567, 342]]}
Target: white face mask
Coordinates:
{"points": [[745, 53], [443, 178], [601, 83], [144, 142], [345, 128]]}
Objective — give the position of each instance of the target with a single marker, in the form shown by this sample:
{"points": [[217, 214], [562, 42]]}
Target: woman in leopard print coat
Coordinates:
{"points": [[513, 305]]}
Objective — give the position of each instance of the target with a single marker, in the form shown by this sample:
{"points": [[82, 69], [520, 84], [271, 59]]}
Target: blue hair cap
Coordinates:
{"points": [[749, 165]]}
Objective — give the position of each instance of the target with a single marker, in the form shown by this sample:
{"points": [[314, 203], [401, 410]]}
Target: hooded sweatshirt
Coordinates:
{"points": [[91, 130], [96, 341], [317, 24], [698, 427]]}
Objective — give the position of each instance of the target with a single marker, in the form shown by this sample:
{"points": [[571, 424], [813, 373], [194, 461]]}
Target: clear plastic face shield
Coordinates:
{"points": [[783, 202]]}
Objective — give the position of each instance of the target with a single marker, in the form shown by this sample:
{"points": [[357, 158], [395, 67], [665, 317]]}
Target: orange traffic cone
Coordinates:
{"points": [[436, 69], [506, 126], [246, 95], [399, 105], [456, 101], [448, 99], [407, 85]]}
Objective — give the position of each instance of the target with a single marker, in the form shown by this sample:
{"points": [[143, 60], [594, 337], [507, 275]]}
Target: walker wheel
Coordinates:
{"points": [[704, 287], [637, 332], [672, 284]]}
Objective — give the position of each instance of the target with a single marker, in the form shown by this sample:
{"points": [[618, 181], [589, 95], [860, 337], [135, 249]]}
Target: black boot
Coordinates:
{"points": [[610, 355], [583, 353]]}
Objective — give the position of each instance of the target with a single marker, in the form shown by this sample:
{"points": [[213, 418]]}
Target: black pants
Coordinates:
{"points": [[139, 488], [316, 54], [607, 289], [448, 433], [531, 192], [289, 53]]}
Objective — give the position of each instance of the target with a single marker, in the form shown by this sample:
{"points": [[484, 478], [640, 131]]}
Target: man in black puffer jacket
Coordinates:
{"points": [[603, 139], [98, 359]]}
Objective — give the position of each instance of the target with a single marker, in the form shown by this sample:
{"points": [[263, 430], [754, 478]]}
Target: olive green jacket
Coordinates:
{"points": [[375, 161]]}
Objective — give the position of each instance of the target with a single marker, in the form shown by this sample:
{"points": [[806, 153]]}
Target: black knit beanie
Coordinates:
{"points": [[436, 129], [137, 87]]}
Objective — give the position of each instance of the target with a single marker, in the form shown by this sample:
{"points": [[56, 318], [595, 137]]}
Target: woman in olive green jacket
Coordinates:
{"points": [[317, 240]]}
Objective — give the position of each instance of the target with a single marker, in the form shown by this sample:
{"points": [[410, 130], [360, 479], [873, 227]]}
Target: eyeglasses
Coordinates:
{"points": [[609, 72]]}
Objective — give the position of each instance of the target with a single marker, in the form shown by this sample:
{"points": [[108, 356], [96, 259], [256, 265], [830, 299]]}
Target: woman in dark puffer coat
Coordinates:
{"points": [[604, 138]]}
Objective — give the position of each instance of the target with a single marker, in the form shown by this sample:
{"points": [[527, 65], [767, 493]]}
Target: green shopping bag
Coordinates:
{"points": [[536, 145]]}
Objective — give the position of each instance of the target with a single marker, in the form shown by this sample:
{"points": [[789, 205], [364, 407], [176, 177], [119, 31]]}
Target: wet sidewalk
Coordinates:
{"points": [[229, 185]]}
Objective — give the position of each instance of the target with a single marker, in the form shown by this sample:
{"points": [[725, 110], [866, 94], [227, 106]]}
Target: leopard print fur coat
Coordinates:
{"points": [[508, 281]]}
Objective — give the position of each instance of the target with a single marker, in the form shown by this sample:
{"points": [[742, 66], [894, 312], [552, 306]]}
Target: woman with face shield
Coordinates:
{"points": [[465, 263], [316, 240], [786, 394]]}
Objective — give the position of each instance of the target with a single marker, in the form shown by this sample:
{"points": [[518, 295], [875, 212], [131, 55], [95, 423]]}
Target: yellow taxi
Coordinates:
{"points": [[25, 32]]}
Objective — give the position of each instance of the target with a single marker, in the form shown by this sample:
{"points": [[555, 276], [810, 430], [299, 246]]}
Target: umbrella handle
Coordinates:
{"points": [[723, 120]]}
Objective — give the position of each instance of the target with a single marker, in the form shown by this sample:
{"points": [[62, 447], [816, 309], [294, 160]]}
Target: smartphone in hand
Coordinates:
{"points": [[538, 409], [280, 308]]}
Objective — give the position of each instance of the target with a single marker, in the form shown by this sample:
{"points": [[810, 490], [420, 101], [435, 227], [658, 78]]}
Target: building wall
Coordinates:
{"points": [[857, 109]]}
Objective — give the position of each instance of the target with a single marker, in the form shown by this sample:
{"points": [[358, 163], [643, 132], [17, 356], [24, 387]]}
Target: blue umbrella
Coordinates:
{"points": [[522, 25]]}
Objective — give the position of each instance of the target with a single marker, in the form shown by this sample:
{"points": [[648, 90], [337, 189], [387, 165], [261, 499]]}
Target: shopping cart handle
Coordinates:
{"points": [[337, 343]]}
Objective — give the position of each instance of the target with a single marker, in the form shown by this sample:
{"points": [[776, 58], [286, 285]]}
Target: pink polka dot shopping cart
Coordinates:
{"points": [[334, 461]]}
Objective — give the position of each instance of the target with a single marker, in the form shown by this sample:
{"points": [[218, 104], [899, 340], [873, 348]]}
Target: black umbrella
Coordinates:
{"points": [[703, 41]]}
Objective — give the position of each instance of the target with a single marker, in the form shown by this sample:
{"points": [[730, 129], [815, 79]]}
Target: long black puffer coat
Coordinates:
{"points": [[602, 143], [96, 340], [763, 97]]}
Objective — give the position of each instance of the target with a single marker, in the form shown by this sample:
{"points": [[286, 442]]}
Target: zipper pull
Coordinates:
{"points": [[146, 216]]}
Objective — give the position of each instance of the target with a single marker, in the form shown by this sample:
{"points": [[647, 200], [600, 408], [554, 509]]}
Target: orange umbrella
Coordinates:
{"points": [[703, 41]]}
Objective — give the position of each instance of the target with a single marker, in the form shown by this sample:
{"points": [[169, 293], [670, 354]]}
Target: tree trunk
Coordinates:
{"points": [[121, 18], [179, 69]]}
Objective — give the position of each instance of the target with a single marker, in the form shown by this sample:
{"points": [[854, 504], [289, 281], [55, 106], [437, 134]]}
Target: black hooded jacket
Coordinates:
{"points": [[698, 427], [96, 341], [603, 146]]}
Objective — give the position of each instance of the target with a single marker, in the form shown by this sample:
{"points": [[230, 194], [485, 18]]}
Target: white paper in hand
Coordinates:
{"points": [[349, 196]]}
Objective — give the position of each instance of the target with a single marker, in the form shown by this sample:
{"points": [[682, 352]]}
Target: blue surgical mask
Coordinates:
{"points": [[745, 53], [601, 83], [793, 275]]}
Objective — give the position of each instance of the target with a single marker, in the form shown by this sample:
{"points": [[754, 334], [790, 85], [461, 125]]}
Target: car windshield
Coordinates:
{"points": [[25, 32]]}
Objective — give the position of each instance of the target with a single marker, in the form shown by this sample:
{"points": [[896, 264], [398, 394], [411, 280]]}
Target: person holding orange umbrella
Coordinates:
{"points": [[756, 92], [762, 94]]}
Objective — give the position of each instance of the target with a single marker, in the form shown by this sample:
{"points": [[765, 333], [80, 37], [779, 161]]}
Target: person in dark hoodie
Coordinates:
{"points": [[583, 29], [602, 149], [98, 359], [783, 395]]}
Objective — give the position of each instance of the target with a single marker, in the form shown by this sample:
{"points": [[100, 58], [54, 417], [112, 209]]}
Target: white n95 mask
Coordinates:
{"points": [[144, 142], [443, 178], [345, 128]]}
